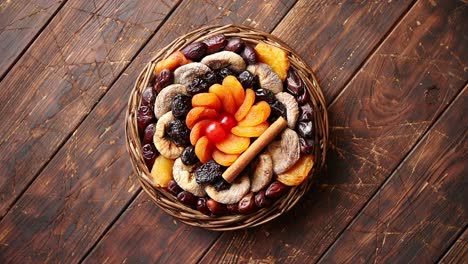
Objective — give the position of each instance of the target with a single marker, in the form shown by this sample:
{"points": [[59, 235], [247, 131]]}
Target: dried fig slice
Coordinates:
{"points": [[268, 78], [225, 59], [284, 152]]}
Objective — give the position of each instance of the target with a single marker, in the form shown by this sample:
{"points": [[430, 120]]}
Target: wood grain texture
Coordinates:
{"points": [[375, 122], [458, 253], [87, 183], [421, 209], [20, 22], [335, 37], [62, 76]]}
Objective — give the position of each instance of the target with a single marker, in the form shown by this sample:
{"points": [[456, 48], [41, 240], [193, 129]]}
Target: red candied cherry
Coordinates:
{"points": [[215, 132], [227, 121]]}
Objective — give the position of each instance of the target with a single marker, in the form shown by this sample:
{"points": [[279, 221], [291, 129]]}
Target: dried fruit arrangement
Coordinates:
{"points": [[227, 126]]}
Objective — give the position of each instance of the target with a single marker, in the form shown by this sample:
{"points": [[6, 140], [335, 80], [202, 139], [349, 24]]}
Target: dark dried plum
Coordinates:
{"points": [[248, 80], [149, 154], [277, 110], [188, 156], [234, 44], [305, 129], [164, 78], [261, 201], [306, 113], [174, 188], [195, 51], [307, 145], [198, 85], [148, 96], [265, 95], [220, 184], [208, 172], [181, 105], [275, 190], [304, 98], [294, 84], [202, 207], [249, 55], [179, 132], [211, 78], [187, 198], [149, 133], [215, 43], [223, 72], [145, 116]]}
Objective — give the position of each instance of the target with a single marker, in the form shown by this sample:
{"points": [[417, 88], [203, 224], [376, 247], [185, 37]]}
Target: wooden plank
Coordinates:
{"points": [[458, 253], [20, 22], [421, 209], [375, 122], [62, 76], [87, 183], [335, 37]]}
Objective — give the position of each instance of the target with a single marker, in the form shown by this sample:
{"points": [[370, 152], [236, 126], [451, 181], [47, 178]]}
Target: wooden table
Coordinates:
{"points": [[394, 74]]}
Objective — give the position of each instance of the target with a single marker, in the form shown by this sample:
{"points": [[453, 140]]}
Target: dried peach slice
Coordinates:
{"points": [[227, 100], [162, 171], [223, 158], [298, 172], [204, 149], [198, 113], [254, 131], [174, 60], [197, 130], [235, 87], [244, 108], [275, 57], [209, 100], [233, 144], [257, 114]]}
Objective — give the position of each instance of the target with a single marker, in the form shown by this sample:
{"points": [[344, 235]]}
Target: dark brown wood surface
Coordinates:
{"points": [[393, 71]]}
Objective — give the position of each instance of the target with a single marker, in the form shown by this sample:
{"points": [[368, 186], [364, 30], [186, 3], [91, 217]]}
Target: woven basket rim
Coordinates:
{"points": [[165, 200]]}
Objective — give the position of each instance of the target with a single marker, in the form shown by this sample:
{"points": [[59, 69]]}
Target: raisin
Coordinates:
{"points": [[195, 51], [149, 154], [220, 184], [179, 132], [276, 190], [305, 129], [294, 86], [223, 72], [164, 78], [249, 55], [215, 43], [277, 110], [234, 44], [306, 145], [247, 204], [198, 85], [208, 172], [265, 95], [148, 96], [145, 116], [188, 156], [174, 188], [187, 198], [211, 78], [261, 200], [181, 105], [201, 206], [149, 133]]}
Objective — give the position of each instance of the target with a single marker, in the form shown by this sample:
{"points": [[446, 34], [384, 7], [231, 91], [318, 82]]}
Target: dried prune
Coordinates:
{"points": [[306, 145], [149, 154], [305, 129], [215, 43], [179, 132], [148, 97], [277, 110], [188, 156], [306, 113], [215, 207], [145, 116], [249, 55], [201, 206], [211, 78], [164, 78], [265, 95], [276, 190], [220, 184], [208, 172], [294, 84], [174, 188], [149, 133], [187, 198], [195, 51], [181, 105], [223, 72], [261, 200], [303, 98], [248, 80], [247, 204], [234, 44], [198, 85]]}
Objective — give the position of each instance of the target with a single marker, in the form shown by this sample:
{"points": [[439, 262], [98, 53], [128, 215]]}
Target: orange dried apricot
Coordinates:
{"points": [[223, 158], [298, 172], [204, 149], [235, 87], [253, 131], [198, 129], [174, 60], [209, 100], [275, 57], [244, 108], [198, 113], [233, 144], [257, 114], [227, 100]]}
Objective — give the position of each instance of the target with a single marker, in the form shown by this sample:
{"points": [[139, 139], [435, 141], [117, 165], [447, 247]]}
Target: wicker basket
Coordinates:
{"points": [[165, 200]]}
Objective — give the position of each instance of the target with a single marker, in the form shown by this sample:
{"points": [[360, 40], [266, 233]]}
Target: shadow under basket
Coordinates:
{"points": [[162, 197]]}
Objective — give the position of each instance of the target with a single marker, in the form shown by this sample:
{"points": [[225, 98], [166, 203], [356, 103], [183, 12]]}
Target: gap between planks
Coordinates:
{"points": [[446, 253]]}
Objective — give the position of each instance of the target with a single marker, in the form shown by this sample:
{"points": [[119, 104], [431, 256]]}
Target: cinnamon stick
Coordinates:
{"points": [[245, 158]]}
